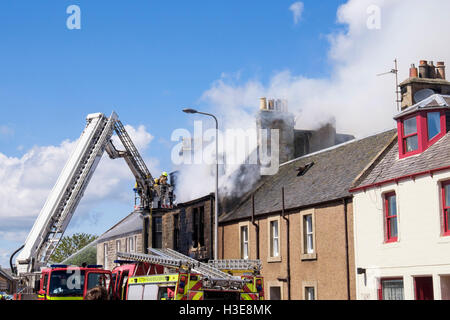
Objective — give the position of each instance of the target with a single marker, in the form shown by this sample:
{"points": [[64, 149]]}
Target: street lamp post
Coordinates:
{"points": [[216, 196]]}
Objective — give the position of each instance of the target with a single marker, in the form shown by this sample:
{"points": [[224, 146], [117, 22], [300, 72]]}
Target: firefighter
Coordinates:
{"points": [[97, 293], [156, 182], [163, 178]]}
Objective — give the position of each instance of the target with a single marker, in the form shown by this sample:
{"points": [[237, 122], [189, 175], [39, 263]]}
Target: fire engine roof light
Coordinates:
{"points": [[58, 266], [95, 266]]}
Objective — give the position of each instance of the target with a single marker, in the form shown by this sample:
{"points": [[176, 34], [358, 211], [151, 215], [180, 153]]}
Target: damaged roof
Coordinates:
{"points": [[330, 176]]}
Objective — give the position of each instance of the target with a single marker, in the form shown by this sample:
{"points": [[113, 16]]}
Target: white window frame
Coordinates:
{"points": [[244, 242], [309, 284], [105, 255], [271, 240], [305, 255], [118, 245]]}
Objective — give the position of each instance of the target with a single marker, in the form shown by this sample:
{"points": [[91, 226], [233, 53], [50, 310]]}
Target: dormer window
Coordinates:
{"points": [[421, 125]]}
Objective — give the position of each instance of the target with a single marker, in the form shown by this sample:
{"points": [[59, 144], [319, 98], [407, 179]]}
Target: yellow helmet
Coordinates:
{"points": [[165, 174]]}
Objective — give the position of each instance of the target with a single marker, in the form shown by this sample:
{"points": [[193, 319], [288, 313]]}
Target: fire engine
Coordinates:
{"points": [[65, 196], [170, 275]]}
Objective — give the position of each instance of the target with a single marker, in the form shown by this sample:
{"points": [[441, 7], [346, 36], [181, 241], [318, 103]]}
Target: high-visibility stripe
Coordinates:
{"points": [[64, 298], [155, 279], [249, 296], [197, 286], [196, 295]]}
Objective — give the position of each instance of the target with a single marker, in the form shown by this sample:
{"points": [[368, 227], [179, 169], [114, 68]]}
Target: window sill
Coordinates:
{"points": [[274, 259], [308, 256]]}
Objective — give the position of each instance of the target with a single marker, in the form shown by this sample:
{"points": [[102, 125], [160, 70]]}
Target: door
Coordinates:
{"points": [[424, 288]]}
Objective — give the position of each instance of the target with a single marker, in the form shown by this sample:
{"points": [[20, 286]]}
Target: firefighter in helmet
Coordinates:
{"points": [[163, 178]]}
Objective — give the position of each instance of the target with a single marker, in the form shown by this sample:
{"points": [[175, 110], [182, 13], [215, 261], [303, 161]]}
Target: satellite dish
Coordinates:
{"points": [[423, 94]]}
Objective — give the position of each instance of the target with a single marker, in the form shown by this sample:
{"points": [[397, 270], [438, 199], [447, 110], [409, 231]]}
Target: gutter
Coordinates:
{"points": [[288, 267], [345, 203], [398, 179], [256, 227]]}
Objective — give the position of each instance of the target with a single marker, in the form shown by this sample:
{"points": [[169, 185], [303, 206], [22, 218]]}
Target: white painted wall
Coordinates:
{"points": [[420, 250]]}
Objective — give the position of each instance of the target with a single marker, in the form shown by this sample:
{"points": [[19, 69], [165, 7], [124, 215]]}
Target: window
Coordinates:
{"points": [[130, 244], [390, 201], [433, 124], [410, 137], [105, 255], [198, 236], [308, 234], [157, 232], [310, 293], [275, 293], [244, 242], [420, 131], [308, 243], [274, 239], [176, 232], [117, 245], [446, 208], [391, 289]]}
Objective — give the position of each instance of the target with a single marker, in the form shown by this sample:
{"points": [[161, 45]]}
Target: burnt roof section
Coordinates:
{"points": [[329, 179], [391, 167], [435, 101]]}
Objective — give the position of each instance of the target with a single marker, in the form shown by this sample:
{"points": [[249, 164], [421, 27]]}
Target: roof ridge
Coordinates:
{"points": [[334, 147]]}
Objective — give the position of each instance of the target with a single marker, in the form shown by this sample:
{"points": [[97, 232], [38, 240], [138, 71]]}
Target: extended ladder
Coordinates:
{"points": [[199, 267], [165, 262], [66, 194]]}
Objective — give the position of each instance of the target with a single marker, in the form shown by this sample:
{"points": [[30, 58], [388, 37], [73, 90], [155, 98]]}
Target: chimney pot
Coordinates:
{"points": [[413, 73], [263, 104], [423, 69], [431, 70], [440, 70]]}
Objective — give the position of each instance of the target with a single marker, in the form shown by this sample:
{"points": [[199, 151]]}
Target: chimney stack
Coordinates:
{"points": [[440, 70]]}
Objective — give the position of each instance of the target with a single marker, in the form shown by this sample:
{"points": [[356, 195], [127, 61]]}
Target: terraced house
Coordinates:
{"points": [[401, 203], [299, 222]]}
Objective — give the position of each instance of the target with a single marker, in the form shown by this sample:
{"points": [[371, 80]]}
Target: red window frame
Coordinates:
{"points": [[445, 210], [380, 285], [388, 217], [423, 140]]}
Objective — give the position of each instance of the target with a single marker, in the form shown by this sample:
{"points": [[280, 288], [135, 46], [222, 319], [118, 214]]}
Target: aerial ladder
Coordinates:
{"points": [[172, 259], [65, 196]]}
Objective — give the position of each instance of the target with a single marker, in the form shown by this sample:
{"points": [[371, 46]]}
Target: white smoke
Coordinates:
{"points": [[376, 32]]}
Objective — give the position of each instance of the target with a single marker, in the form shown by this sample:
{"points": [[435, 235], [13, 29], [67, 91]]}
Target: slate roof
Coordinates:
{"points": [[435, 101], [129, 225], [391, 167], [330, 177], [5, 274]]}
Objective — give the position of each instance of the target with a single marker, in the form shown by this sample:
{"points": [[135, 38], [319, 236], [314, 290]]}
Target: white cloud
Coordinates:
{"points": [[360, 102], [27, 182], [297, 10]]}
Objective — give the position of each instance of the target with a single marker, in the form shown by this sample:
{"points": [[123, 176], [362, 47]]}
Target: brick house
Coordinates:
{"points": [[299, 223]]}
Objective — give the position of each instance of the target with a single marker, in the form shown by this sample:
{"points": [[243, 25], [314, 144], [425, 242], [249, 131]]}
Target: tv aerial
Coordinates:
{"points": [[397, 91]]}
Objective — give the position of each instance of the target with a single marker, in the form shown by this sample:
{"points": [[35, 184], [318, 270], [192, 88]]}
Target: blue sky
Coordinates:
{"points": [[145, 60]]}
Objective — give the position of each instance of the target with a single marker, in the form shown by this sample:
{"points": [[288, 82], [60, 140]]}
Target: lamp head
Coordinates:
{"points": [[190, 111]]}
